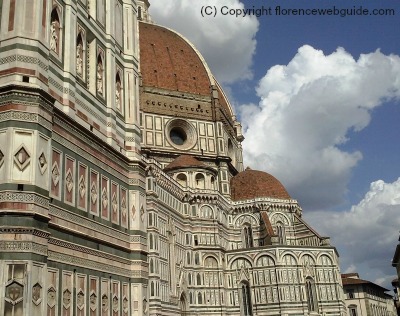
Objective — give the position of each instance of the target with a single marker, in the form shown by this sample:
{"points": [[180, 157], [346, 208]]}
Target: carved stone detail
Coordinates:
{"points": [[125, 305], [67, 298], [42, 162], [93, 301], [22, 158], [104, 303], [115, 304], [80, 300], [114, 203], [93, 193], [37, 294], [51, 297], [82, 186], [69, 180], [104, 198], [55, 174], [14, 293]]}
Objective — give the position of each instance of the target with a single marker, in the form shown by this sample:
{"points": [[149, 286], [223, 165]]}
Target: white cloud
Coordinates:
{"points": [[366, 236], [226, 42], [306, 111]]}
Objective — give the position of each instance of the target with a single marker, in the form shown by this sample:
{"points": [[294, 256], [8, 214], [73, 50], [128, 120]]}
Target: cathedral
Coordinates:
{"points": [[122, 185]]}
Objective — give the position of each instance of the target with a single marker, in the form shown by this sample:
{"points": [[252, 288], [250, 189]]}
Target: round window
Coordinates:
{"points": [[178, 136], [181, 134]]}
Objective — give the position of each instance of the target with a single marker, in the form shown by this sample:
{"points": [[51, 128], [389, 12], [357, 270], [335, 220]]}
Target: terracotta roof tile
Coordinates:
{"points": [[352, 281], [168, 61], [251, 184], [184, 161]]}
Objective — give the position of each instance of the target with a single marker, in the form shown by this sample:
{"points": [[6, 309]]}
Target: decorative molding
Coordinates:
{"points": [[96, 253], [23, 246], [42, 163], [22, 158], [21, 197], [24, 59], [91, 225], [90, 264]]}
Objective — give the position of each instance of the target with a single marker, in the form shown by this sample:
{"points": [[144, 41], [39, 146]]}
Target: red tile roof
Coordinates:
{"points": [[184, 161], [250, 184], [168, 61]]}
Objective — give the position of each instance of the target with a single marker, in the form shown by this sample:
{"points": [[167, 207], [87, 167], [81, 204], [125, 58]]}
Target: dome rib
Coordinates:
{"points": [[251, 184]]}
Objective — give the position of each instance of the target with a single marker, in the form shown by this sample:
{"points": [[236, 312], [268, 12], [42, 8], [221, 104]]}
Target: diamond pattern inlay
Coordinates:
{"points": [[82, 186], [93, 193], [22, 158], [42, 163], [55, 174], [1, 158], [69, 181]]}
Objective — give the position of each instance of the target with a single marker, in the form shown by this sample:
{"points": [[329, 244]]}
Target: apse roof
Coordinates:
{"points": [[251, 184], [184, 161]]}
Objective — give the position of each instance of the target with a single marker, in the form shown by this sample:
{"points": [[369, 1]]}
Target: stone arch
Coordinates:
{"points": [[245, 218], [265, 261], [289, 259], [200, 181], [181, 178], [206, 211], [238, 263], [279, 217], [210, 262], [325, 260], [55, 30], [308, 258]]}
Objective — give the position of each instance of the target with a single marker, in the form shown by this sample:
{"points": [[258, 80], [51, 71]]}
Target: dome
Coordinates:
{"points": [[184, 161], [168, 61], [251, 184]]}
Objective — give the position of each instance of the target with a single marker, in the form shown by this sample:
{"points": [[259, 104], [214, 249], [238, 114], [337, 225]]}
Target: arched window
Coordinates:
{"points": [[151, 241], [118, 91], [210, 262], [100, 75], [212, 180], [55, 32], [199, 298], [198, 280], [200, 181], [190, 279], [247, 235], [246, 299], [80, 55], [280, 231], [311, 295], [151, 266], [197, 258], [188, 258], [152, 289], [182, 179], [353, 310]]}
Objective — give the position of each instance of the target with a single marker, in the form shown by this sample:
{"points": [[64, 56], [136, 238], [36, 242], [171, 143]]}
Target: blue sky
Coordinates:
{"points": [[325, 120]]}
